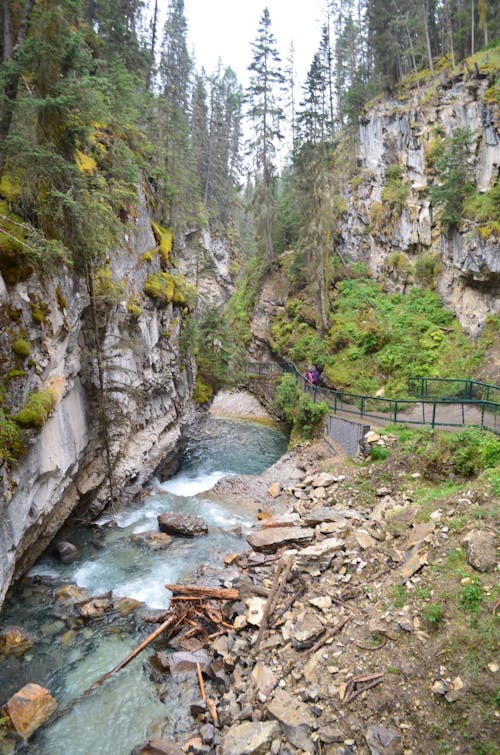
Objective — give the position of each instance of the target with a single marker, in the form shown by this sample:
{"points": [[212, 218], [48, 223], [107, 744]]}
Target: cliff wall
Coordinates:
{"points": [[121, 379], [399, 244]]}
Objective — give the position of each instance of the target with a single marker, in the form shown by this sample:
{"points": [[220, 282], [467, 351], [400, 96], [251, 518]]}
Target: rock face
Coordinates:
{"points": [[403, 132], [138, 405]]}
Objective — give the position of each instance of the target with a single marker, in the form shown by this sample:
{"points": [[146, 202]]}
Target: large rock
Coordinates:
{"points": [[250, 738], [271, 538], [182, 525], [66, 552], [14, 640], [481, 550], [317, 557], [295, 719], [29, 708], [153, 540]]}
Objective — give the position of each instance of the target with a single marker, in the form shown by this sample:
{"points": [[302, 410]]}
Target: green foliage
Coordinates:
{"points": [[106, 289], [426, 269], [454, 177], [471, 596], [379, 453], [473, 450], [240, 307], [11, 444], [203, 391], [37, 408], [485, 209], [305, 417], [433, 615], [395, 191]]}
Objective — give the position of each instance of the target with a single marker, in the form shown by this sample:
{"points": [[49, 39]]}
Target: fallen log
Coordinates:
{"points": [[218, 593], [282, 571]]}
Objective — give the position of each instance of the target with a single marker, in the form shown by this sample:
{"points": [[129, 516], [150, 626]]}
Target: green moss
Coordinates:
{"points": [[149, 256], [203, 391], [14, 374], [395, 191], [485, 209], [61, 299], [9, 187], [21, 348], [106, 289], [39, 312], [164, 238], [134, 307], [37, 408], [11, 444], [165, 288]]}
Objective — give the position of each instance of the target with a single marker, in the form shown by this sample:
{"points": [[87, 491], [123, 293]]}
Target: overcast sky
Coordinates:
{"points": [[225, 29]]}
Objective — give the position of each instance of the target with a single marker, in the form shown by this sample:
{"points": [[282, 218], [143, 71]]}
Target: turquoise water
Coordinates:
{"points": [[126, 709]]}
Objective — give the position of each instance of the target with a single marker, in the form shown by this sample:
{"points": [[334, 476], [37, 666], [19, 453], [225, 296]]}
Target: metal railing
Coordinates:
{"points": [[434, 411], [452, 389]]}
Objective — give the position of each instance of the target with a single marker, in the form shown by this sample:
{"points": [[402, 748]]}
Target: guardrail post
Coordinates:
{"points": [[433, 414], [395, 411], [362, 405]]}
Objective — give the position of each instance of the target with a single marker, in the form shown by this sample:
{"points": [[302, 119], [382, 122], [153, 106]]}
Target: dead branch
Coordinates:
{"points": [[218, 593], [359, 684], [330, 633], [200, 681], [277, 587]]}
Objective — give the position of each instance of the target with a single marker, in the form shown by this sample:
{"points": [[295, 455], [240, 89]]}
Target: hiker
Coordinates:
{"points": [[314, 375]]}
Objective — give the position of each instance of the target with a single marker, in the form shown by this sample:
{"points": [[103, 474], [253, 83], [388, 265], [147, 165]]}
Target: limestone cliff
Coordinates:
{"points": [[118, 376], [402, 131]]}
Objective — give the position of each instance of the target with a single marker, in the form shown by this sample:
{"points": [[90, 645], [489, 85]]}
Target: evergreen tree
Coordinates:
{"points": [[266, 115]]}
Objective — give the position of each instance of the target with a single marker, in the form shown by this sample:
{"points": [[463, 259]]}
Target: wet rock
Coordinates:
{"points": [[481, 550], [295, 719], [270, 539], [153, 540], [126, 606], [29, 708], [183, 525], [250, 738], [14, 640], [157, 747], [95, 607], [66, 552], [71, 594], [382, 741]]}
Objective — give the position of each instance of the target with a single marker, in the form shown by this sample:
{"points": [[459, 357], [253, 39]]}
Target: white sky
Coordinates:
{"points": [[225, 29]]}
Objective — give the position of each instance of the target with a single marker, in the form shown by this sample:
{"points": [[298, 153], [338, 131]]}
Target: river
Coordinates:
{"points": [[69, 655]]}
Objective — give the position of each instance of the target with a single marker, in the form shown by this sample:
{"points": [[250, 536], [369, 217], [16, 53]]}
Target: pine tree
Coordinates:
{"points": [[266, 115]]}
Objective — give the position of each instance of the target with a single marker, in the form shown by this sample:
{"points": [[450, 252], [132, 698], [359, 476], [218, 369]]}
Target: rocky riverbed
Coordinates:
{"points": [[365, 621]]}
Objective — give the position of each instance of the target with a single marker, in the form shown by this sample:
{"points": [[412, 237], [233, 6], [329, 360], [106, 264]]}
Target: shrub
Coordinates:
{"points": [[37, 408], [106, 289], [203, 391], [379, 453], [21, 348], [433, 614], [304, 416], [395, 191]]}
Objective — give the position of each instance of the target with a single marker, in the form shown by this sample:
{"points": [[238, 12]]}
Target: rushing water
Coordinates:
{"points": [[67, 657]]}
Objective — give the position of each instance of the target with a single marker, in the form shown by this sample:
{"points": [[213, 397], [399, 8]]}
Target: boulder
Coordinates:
{"points": [[14, 640], [382, 741], [271, 538], [317, 557], [66, 552], [307, 629], [95, 607], [71, 594], [29, 708], [250, 738], [182, 525], [481, 550]]}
